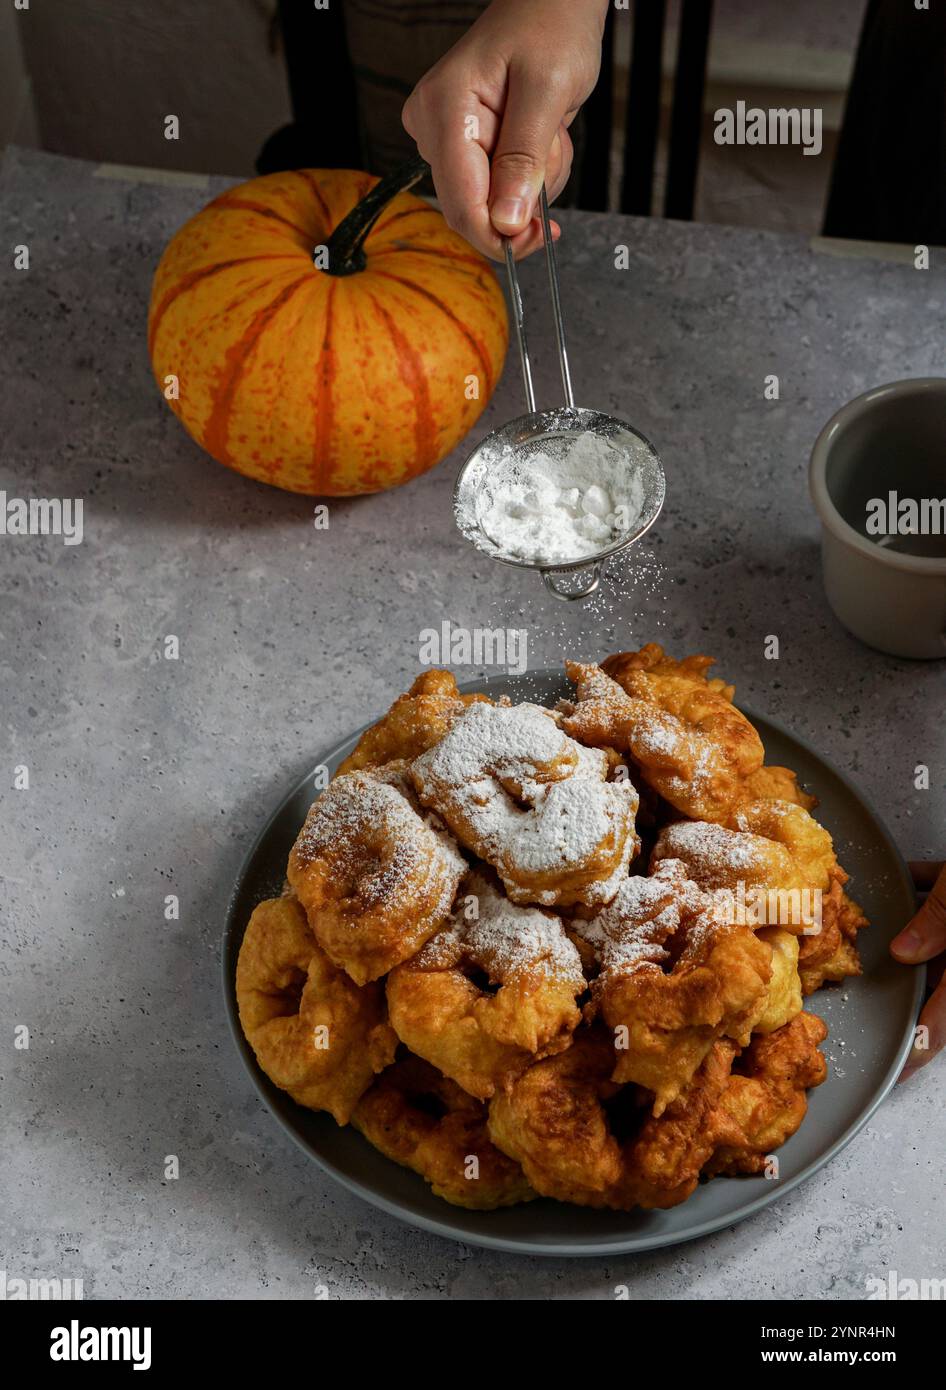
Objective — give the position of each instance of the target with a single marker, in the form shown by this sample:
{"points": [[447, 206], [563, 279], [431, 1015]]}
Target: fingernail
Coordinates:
{"points": [[907, 943], [510, 211]]}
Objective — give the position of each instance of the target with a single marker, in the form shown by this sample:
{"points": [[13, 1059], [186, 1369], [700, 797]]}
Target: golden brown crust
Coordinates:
{"points": [[599, 1035], [832, 956], [693, 746], [315, 1033], [784, 999], [552, 1121], [423, 1121], [808, 844], [413, 724], [778, 851], [771, 847], [653, 660], [689, 741], [491, 993], [376, 880], [676, 976], [669, 1153], [765, 1100], [581, 1138], [774, 784]]}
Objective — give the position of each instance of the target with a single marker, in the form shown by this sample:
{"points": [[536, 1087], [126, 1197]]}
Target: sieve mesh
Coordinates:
{"points": [[550, 432]]}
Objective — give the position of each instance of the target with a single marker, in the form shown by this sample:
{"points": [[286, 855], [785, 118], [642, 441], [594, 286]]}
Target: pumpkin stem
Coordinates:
{"points": [[346, 254]]}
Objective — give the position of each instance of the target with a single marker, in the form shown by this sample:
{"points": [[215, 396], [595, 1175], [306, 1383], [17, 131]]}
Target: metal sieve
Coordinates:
{"points": [[549, 431]]}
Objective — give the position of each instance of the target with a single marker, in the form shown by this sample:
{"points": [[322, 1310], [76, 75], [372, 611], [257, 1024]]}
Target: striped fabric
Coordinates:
{"points": [[392, 44]]}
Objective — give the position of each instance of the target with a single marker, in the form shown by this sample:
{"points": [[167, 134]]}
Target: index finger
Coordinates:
{"points": [[924, 936], [461, 172]]}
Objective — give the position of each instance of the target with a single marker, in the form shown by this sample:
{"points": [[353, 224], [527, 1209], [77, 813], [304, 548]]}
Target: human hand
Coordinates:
{"points": [[491, 118], [922, 938]]}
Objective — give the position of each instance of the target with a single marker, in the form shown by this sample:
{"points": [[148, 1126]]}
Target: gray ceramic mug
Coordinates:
{"points": [[876, 454]]}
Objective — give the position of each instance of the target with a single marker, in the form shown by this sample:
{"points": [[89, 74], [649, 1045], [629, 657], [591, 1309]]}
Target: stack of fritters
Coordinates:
{"points": [[556, 952]]}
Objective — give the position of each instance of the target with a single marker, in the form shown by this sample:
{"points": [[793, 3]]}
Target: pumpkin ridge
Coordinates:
{"points": [[318, 195], [455, 258], [196, 277], [324, 403], [476, 343], [235, 358], [411, 370], [226, 204], [235, 305]]}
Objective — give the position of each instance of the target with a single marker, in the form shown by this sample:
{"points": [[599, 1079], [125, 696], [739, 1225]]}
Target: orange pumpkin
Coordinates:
{"points": [[329, 381]]}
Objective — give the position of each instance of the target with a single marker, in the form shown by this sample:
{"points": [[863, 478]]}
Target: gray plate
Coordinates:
{"points": [[873, 1017]]}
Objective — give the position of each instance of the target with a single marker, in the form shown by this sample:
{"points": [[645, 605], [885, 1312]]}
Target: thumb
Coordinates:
{"points": [[530, 125], [924, 936]]}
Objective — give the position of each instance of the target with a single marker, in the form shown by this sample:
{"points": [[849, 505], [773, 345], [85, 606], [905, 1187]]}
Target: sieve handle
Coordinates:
{"points": [[515, 296], [556, 298], [549, 578]]}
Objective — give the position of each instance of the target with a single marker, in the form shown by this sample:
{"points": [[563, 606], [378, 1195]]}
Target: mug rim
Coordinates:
{"points": [[831, 518]]}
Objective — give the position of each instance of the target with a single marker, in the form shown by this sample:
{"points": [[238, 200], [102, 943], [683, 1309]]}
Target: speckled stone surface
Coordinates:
{"points": [[150, 777]]}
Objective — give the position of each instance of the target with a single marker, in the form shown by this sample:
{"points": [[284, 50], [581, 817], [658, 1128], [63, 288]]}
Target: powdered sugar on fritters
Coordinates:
{"points": [[530, 800], [689, 741], [712, 851], [503, 939], [360, 809], [633, 931]]}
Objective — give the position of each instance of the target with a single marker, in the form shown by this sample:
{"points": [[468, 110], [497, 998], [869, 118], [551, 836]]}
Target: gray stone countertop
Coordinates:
{"points": [[150, 777]]}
